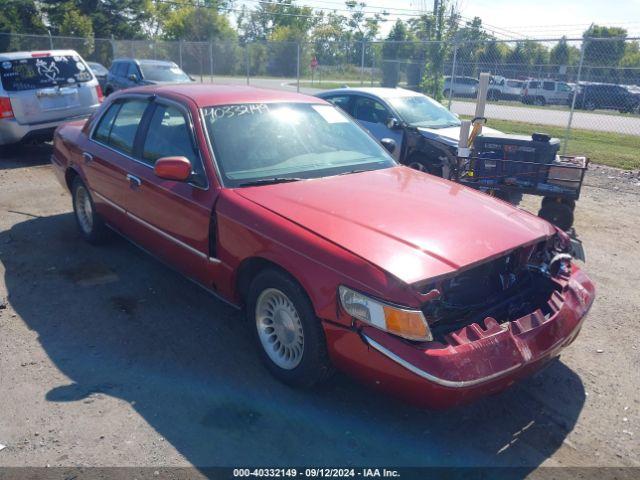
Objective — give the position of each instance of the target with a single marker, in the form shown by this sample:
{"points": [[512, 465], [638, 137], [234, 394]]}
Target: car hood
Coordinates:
{"points": [[448, 135], [413, 225]]}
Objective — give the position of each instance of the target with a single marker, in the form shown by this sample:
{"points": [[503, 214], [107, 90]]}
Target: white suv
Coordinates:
{"points": [[542, 92], [41, 90]]}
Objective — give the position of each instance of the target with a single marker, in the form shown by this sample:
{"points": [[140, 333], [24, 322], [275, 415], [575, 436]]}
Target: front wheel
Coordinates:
{"points": [[90, 224], [540, 101], [290, 337]]}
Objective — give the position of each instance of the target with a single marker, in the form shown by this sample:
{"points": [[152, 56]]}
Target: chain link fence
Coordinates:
{"points": [[557, 85]]}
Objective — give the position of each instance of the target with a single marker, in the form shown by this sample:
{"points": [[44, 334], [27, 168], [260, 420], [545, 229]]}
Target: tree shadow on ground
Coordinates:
{"points": [[118, 322]]}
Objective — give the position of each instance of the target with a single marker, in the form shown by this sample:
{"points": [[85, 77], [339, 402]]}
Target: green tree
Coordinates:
{"points": [[559, 54], [19, 16], [604, 52], [117, 18], [392, 51]]}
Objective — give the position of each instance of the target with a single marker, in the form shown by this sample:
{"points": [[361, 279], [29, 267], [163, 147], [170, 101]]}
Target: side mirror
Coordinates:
{"points": [[133, 77], [389, 144], [393, 123], [173, 168]]}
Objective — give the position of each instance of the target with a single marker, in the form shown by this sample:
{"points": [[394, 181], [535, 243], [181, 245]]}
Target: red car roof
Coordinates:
{"points": [[210, 94]]}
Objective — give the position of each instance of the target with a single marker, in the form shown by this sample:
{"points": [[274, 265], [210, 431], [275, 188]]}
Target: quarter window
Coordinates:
{"points": [[103, 130], [169, 135], [120, 132]]}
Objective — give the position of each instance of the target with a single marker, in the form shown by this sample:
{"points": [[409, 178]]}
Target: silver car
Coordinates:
{"points": [[41, 90]]}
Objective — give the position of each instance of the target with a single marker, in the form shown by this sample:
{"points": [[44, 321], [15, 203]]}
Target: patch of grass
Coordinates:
{"points": [[613, 149]]}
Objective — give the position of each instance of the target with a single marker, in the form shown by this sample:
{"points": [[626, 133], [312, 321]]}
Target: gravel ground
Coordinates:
{"points": [[108, 358]]}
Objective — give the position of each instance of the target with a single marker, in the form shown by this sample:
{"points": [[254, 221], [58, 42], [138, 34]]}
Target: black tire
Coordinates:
{"points": [[92, 228], [445, 93], [424, 165], [589, 105], [511, 197], [493, 95], [566, 201], [559, 214], [314, 366], [540, 101], [108, 91]]}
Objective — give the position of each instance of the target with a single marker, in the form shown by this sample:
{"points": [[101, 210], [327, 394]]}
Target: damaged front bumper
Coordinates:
{"points": [[471, 362]]}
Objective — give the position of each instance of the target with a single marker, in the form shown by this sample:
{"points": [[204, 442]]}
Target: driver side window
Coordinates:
{"points": [[368, 110]]}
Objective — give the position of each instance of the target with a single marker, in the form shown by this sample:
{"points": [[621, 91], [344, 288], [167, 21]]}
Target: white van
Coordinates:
{"points": [[41, 90]]}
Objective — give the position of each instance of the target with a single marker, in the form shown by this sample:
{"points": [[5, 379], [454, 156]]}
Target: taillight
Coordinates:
{"points": [[6, 110], [40, 54], [99, 93]]}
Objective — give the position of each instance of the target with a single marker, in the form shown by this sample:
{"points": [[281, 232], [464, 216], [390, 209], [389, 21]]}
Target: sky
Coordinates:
{"points": [[518, 18]]}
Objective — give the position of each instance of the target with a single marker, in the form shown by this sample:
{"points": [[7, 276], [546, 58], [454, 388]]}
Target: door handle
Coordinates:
{"points": [[133, 180], [88, 158]]}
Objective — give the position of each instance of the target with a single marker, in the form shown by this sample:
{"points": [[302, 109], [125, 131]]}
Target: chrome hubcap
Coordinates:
{"points": [[84, 212], [279, 328]]}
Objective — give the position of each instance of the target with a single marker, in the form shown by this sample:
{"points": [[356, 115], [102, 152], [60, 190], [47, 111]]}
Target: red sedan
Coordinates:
{"points": [[280, 204]]}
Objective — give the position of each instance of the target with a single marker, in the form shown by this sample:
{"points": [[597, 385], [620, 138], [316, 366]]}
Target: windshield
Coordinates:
{"points": [[43, 72], [421, 111], [260, 141], [163, 73]]}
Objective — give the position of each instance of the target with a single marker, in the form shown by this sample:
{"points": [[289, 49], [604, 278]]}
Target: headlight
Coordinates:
{"points": [[403, 322]]}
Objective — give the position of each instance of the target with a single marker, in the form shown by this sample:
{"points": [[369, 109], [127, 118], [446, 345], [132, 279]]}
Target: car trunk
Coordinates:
{"points": [[48, 88]]}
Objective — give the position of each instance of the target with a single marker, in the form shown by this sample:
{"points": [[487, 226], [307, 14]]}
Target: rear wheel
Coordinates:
{"points": [[90, 224], [289, 336], [589, 105], [557, 213]]}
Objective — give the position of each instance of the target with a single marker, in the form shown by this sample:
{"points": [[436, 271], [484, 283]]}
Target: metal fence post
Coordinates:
{"points": [[211, 60], [247, 62], [363, 44], [573, 99], [50, 39], [180, 52], [373, 66], [453, 73], [298, 67]]}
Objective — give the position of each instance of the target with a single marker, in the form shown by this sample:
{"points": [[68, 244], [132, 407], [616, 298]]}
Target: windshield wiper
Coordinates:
{"points": [[349, 172], [270, 181]]}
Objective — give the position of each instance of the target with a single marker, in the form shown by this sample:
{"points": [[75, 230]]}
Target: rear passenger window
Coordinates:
{"points": [[103, 130], [120, 132], [169, 135], [534, 84], [551, 86]]}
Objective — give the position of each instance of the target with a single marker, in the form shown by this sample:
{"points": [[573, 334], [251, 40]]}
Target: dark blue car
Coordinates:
{"points": [[131, 72]]}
